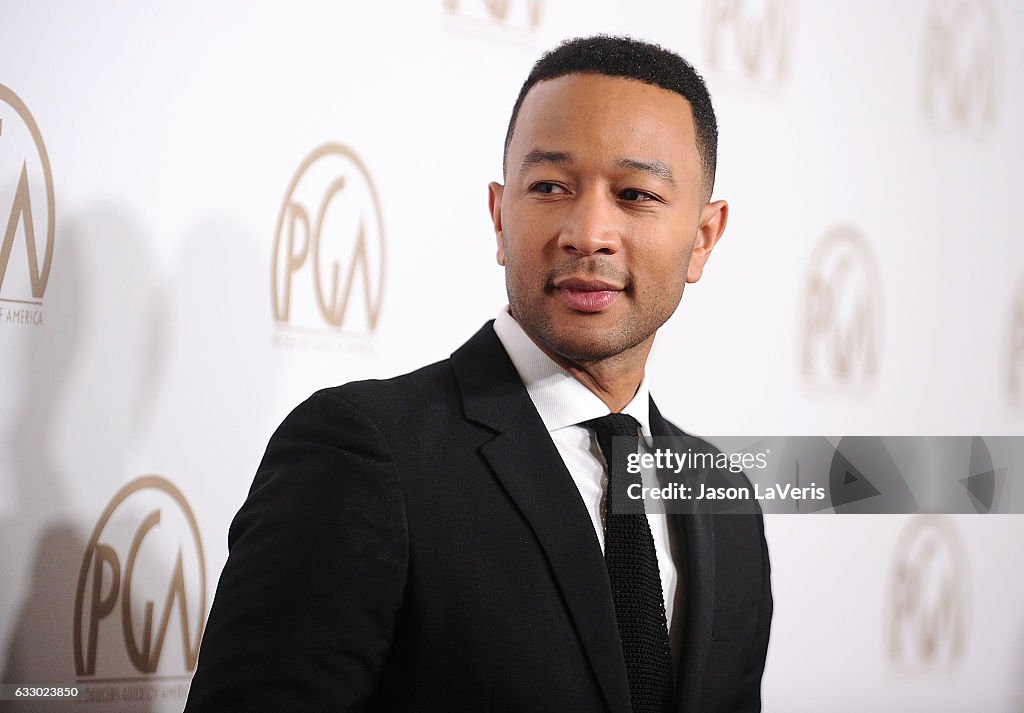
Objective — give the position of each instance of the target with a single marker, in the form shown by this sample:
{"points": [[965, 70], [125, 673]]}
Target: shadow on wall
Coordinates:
{"points": [[89, 374], [129, 375], [218, 398]]}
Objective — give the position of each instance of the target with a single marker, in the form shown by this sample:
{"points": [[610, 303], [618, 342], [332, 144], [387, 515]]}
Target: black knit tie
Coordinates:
{"points": [[633, 572]]}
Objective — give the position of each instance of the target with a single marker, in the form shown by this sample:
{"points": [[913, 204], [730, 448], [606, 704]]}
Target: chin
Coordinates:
{"points": [[591, 345]]}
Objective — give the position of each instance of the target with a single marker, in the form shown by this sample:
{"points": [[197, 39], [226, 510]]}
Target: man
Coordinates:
{"points": [[441, 541]]}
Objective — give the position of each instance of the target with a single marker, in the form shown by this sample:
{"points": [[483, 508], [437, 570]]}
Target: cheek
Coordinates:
{"points": [[667, 259], [529, 224], [523, 250], [525, 274], [516, 260]]}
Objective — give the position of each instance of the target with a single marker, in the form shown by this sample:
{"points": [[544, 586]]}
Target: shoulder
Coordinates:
{"points": [[437, 396], [426, 394], [711, 466], [661, 426], [428, 382]]}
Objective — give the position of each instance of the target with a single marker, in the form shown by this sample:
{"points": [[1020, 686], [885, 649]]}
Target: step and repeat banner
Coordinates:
{"points": [[210, 210]]}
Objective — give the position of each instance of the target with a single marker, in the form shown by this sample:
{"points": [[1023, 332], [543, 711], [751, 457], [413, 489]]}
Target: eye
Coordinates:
{"points": [[635, 196], [547, 187]]}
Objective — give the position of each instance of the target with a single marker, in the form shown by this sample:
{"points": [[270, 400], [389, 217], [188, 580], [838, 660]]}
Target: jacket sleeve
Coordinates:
{"points": [[748, 698], [306, 606]]}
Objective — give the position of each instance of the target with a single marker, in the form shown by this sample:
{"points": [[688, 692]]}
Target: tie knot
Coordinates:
{"points": [[614, 424]]}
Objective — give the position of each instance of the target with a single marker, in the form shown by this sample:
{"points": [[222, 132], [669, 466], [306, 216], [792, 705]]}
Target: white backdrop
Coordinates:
{"points": [[871, 281]]}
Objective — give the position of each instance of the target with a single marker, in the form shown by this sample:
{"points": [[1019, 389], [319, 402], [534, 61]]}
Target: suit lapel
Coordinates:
{"points": [[698, 581], [528, 465]]}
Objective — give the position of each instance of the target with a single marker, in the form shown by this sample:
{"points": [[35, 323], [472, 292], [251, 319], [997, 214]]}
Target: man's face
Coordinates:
{"points": [[602, 219]]}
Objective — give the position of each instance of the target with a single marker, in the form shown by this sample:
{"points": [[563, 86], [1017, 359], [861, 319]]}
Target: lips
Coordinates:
{"points": [[584, 295]]}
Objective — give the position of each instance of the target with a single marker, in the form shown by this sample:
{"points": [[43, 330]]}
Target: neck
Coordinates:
{"points": [[614, 380]]}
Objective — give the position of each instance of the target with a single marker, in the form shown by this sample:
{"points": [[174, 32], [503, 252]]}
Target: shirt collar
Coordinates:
{"points": [[560, 399]]}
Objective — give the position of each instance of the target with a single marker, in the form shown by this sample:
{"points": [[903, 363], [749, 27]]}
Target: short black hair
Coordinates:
{"points": [[629, 58]]}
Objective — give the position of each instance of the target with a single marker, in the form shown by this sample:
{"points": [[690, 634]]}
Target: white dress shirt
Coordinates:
{"points": [[563, 403]]}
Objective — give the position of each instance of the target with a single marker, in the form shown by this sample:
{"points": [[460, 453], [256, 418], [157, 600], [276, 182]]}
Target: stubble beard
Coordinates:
{"points": [[583, 343]]}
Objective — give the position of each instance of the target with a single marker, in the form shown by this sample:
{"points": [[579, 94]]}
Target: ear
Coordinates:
{"points": [[713, 217], [495, 191]]}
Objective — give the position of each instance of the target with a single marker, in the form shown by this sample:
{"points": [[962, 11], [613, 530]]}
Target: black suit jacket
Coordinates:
{"points": [[417, 544]]}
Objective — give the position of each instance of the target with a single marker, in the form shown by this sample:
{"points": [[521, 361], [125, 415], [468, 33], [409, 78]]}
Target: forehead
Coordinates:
{"points": [[606, 118]]}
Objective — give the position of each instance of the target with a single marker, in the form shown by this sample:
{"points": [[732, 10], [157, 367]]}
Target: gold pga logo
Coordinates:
{"points": [[927, 622], [1015, 366], [524, 14], [328, 255], [26, 212], [748, 37], [842, 312], [143, 564], [961, 64]]}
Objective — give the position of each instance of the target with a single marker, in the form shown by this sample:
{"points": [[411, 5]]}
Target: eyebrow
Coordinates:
{"points": [[539, 156], [657, 169]]}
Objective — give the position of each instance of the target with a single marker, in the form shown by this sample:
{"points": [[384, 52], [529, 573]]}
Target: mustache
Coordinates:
{"points": [[590, 266]]}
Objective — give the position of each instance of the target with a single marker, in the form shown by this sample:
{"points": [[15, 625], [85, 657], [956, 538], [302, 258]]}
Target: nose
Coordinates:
{"points": [[590, 226]]}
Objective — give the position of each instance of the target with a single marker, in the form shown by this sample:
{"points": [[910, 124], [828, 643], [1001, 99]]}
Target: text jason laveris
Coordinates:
{"points": [[677, 491]]}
